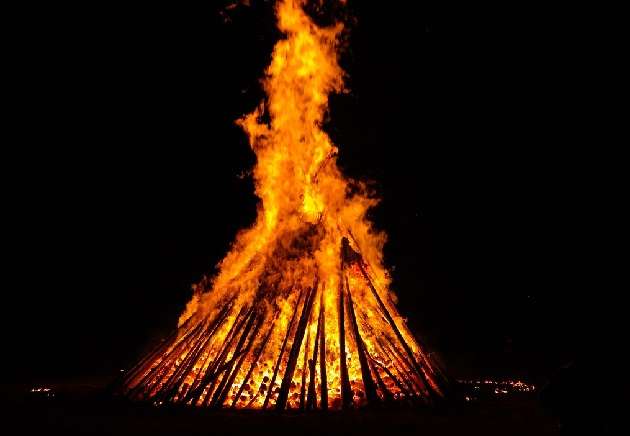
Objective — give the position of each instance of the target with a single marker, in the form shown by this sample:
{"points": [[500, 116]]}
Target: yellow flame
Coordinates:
{"points": [[306, 209]]}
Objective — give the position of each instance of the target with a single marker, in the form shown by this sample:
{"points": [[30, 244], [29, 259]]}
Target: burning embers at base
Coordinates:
{"points": [[300, 315], [488, 388], [263, 355]]}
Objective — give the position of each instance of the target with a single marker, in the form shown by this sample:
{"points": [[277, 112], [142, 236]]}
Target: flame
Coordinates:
{"points": [[276, 326]]}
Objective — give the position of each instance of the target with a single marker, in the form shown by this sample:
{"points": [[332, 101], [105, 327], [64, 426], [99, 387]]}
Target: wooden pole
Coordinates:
{"points": [[412, 358], [284, 344], [368, 382], [356, 257], [130, 374], [393, 377], [152, 371], [311, 402], [346, 391], [254, 361], [304, 370], [322, 355], [408, 387], [170, 388], [295, 349], [219, 366], [208, 378], [150, 382], [205, 364], [224, 389]]}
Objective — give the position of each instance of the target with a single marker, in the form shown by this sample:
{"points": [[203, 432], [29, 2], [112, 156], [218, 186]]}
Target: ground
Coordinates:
{"points": [[97, 413]]}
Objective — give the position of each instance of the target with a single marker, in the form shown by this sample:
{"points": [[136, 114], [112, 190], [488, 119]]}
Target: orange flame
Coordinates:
{"points": [[306, 280]]}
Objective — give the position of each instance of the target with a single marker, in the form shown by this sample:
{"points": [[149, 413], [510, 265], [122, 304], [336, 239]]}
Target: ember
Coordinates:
{"points": [[488, 388], [42, 393], [300, 315], [501, 385]]}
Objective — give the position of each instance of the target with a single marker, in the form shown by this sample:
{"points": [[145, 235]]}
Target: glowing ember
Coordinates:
{"points": [[488, 388], [300, 314], [40, 390], [42, 393]]}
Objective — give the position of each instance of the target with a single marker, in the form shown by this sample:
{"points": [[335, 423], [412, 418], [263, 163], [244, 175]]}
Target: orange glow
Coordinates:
{"points": [[267, 331]]}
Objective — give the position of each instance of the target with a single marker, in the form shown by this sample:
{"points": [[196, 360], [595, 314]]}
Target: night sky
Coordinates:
{"points": [[129, 178]]}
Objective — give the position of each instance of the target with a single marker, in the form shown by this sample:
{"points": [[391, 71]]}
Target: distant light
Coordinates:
{"points": [[501, 386], [40, 390]]}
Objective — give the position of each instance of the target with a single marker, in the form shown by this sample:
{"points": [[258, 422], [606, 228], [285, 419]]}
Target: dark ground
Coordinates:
{"points": [[82, 409]]}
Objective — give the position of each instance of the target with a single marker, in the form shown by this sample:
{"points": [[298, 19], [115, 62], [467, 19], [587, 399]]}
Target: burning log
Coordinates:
{"points": [[198, 378], [398, 384], [175, 381], [304, 371], [419, 370], [149, 381], [295, 349], [406, 387], [311, 402], [322, 355], [346, 391], [254, 360], [219, 366], [284, 344], [368, 383], [387, 396], [224, 389], [406, 371], [157, 350], [171, 387], [207, 382]]}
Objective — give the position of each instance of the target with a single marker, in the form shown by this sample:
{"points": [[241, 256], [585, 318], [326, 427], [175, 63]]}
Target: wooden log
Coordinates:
{"points": [[171, 387], [207, 382], [156, 373], [322, 355], [392, 323], [438, 379], [205, 377], [126, 383], [170, 375], [218, 366], [186, 371], [368, 382], [150, 381], [227, 367], [295, 348], [284, 344], [225, 389], [397, 382], [406, 372], [255, 360], [409, 387], [346, 391], [304, 370], [216, 325], [412, 370], [386, 395], [148, 358], [148, 371], [412, 388], [311, 402]]}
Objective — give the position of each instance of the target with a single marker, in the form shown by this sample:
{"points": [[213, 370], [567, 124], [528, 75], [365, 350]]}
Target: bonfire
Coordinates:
{"points": [[300, 314]]}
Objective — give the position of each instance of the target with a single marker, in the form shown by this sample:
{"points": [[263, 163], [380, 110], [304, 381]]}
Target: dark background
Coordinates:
{"points": [[476, 125]]}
